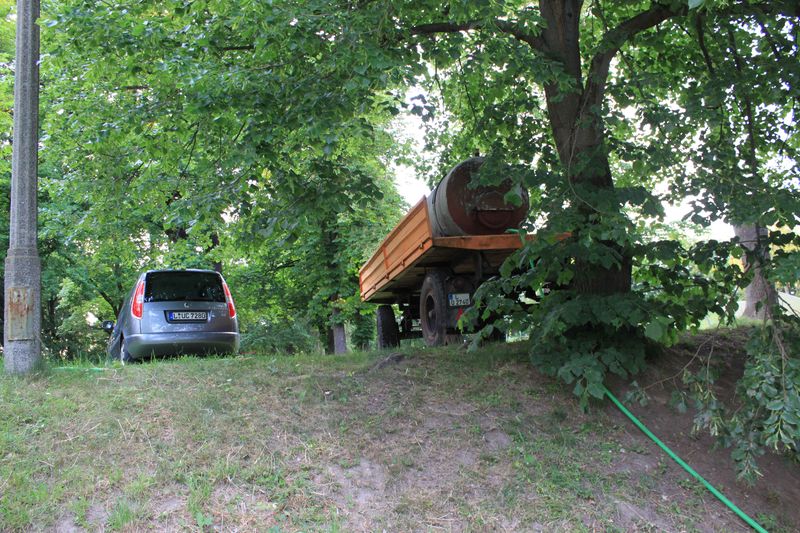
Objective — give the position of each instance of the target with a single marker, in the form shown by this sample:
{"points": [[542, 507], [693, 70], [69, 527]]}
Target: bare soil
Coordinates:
{"points": [[777, 491]]}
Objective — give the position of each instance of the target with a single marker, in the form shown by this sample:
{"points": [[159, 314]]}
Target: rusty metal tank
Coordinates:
{"points": [[456, 209]]}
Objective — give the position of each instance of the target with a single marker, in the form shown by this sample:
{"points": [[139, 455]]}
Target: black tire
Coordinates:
{"points": [[433, 308], [497, 335], [388, 332], [124, 354], [454, 339]]}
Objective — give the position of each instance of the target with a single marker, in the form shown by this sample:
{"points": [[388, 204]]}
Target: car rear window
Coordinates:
{"points": [[183, 286]]}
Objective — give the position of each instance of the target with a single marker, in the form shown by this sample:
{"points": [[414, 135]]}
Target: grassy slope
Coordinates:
{"points": [[441, 440]]}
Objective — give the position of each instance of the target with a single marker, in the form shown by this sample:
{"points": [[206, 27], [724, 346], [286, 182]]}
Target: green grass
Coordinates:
{"points": [[443, 440]]}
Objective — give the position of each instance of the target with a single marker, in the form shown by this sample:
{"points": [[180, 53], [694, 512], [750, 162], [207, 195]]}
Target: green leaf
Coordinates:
{"points": [[775, 405], [596, 390], [655, 330]]}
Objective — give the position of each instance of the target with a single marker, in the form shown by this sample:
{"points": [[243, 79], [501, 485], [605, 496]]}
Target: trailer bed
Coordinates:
{"points": [[398, 266]]}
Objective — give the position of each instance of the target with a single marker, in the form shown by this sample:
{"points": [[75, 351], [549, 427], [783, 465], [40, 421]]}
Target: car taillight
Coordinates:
{"points": [[137, 304], [229, 299]]}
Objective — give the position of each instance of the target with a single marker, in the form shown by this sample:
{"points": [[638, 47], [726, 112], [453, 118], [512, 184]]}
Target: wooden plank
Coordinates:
{"points": [[407, 241], [421, 206], [420, 209], [404, 245], [506, 241], [401, 276]]}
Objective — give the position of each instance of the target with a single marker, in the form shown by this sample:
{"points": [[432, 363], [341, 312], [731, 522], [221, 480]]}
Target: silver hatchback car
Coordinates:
{"points": [[172, 312]]}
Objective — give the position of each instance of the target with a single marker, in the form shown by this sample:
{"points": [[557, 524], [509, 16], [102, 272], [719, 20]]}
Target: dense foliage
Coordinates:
{"points": [[253, 137], [170, 143]]}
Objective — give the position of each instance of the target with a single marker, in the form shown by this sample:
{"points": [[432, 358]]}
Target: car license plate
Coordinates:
{"points": [[458, 299], [187, 316]]}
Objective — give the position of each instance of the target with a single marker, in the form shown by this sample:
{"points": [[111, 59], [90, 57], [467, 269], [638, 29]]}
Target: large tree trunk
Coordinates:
{"points": [[576, 121], [760, 291], [575, 114]]}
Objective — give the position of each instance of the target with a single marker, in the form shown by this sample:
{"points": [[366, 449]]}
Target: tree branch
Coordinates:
{"points": [[772, 44], [613, 41], [242, 47], [701, 41], [193, 142], [110, 301], [534, 41], [748, 106]]}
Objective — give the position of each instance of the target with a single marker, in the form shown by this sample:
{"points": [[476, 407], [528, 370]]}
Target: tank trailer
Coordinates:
{"points": [[440, 252]]}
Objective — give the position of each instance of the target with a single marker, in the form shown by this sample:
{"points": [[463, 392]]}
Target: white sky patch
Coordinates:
{"points": [[411, 188], [717, 229], [410, 127]]}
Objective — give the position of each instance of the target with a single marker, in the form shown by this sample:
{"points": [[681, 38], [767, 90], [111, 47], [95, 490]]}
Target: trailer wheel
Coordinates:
{"points": [[497, 335], [388, 332], [433, 309]]}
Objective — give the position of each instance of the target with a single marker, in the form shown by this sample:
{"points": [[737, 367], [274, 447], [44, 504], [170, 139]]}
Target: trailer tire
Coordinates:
{"points": [[433, 308], [497, 334], [388, 332]]}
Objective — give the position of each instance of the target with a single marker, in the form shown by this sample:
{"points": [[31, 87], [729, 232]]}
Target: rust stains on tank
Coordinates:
{"points": [[458, 209]]}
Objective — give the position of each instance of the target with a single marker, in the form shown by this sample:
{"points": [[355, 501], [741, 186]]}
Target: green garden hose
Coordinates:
{"points": [[752, 523]]}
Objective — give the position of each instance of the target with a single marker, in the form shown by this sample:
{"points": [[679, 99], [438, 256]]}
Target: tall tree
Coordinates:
{"points": [[180, 132]]}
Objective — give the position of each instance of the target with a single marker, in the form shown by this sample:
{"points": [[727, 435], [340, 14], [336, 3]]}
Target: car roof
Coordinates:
{"points": [[182, 270]]}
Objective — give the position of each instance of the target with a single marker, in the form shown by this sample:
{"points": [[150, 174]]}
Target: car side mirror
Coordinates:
{"points": [[108, 326]]}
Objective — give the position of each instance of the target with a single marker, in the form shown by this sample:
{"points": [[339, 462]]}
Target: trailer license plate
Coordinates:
{"points": [[458, 299], [187, 316]]}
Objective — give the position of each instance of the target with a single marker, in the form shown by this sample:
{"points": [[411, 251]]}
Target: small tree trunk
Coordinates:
{"points": [[338, 334], [336, 339], [217, 265], [760, 289]]}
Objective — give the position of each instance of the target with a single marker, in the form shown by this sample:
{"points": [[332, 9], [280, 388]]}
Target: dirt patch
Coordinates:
{"points": [[236, 510], [66, 524], [168, 505], [633, 517], [97, 515], [360, 488], [497, 440], [775, 493]]}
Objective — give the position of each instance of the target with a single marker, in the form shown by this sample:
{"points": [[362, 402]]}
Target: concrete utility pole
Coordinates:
{"points": [[22, 347]]}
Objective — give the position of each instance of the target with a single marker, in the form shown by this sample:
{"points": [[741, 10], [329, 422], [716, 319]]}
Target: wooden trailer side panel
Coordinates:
{"points": [[406, 244]]}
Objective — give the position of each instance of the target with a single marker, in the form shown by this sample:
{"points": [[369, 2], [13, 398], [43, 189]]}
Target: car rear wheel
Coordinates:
{"points": [[124, 354]]}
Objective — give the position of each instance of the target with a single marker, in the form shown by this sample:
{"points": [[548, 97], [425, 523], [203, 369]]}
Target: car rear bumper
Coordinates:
{"points": [[189, 342]]}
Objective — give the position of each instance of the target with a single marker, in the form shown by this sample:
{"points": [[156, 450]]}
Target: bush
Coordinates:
{"points": [[280, 338]]}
